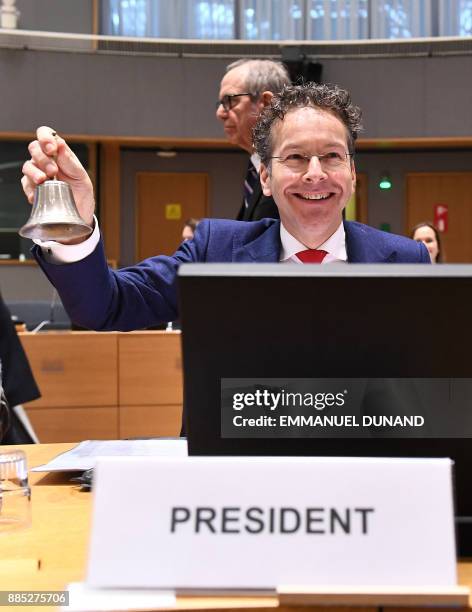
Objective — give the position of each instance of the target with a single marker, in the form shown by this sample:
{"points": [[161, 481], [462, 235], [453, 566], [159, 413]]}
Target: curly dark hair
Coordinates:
{"points": [[330, 98]]}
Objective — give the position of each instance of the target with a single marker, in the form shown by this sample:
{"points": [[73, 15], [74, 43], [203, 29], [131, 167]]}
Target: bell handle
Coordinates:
{"points": [[54, 134]]}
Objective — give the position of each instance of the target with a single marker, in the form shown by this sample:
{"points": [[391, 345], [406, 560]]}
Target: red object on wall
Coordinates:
{"points": [[441, 217]]}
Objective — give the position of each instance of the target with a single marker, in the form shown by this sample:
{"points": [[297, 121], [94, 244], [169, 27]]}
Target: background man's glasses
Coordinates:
{"points": [[329, 161], [228, 101]]}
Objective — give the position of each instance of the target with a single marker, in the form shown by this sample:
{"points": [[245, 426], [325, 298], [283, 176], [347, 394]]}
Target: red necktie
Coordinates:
{"points": [[312, 256]]}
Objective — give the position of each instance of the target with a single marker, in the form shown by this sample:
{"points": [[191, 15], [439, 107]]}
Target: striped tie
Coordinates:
{"points": [[250, 182], [315, 256]]}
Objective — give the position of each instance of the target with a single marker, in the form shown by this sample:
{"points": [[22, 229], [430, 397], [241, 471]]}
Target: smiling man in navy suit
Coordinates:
{"points": [[305, 139]]}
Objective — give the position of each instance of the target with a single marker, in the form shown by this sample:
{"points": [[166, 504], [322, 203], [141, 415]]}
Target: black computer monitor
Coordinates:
{"points": [[376, 324]]}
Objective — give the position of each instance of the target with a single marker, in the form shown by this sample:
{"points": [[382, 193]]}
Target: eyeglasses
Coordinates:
{"points": [[329, 161], [227, 101]]}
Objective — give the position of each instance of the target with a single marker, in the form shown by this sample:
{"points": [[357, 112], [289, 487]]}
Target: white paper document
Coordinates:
{"points": [[85, 455], [84, 599]]}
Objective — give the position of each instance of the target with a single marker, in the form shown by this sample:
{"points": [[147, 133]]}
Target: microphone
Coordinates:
{"points": [[54, 299], [40, 326]]}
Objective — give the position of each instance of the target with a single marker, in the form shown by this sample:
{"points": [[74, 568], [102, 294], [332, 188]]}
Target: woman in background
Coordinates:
{"points": [[428, 234], [189, 228]]}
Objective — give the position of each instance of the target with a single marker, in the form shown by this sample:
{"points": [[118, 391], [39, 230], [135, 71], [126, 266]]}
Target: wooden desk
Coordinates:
{"points": [[53, 551]]}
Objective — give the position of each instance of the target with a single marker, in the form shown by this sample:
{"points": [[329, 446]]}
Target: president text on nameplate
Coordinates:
{"points": [[256, 523]]}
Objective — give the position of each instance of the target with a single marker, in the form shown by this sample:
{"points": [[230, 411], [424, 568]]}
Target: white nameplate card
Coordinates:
{"points": [[256, 523]]}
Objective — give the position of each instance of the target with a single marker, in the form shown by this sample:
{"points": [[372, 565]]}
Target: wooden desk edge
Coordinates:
{"points": [[455, 596]]}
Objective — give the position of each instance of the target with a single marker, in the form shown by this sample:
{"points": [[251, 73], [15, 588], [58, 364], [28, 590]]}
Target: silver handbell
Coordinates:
{"points": [[54, 215]]}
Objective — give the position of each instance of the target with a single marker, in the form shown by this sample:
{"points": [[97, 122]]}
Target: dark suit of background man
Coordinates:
{"points": [[16, 380], [245, 90], [305, 139]]}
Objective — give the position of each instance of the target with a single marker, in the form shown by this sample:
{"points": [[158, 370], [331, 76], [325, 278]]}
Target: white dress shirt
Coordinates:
{"points": [[335, 247], [256, 161], [57, 253]]}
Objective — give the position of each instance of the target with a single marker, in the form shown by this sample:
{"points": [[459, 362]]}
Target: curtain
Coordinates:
{"points": [[203, 19], [287, 19], [337, 19], [455, 17], [400, 18], [125, 17], [272, 19]]}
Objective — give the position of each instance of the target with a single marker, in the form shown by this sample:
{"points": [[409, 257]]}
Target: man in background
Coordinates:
{"points": [[246, 88]]}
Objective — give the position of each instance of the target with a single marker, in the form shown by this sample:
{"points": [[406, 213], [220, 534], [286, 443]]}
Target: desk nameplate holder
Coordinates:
{"points": [[242, 525], [456, 596]]}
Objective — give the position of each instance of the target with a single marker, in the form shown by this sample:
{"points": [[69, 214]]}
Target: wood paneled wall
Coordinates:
{"points": [[105, 385]]}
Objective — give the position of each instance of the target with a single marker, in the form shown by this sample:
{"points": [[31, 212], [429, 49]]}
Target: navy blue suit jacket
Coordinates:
{"points": [[146, 294]]}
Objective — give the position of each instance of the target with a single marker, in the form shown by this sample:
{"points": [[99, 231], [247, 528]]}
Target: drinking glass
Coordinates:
{"points": [[15, 493]]}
